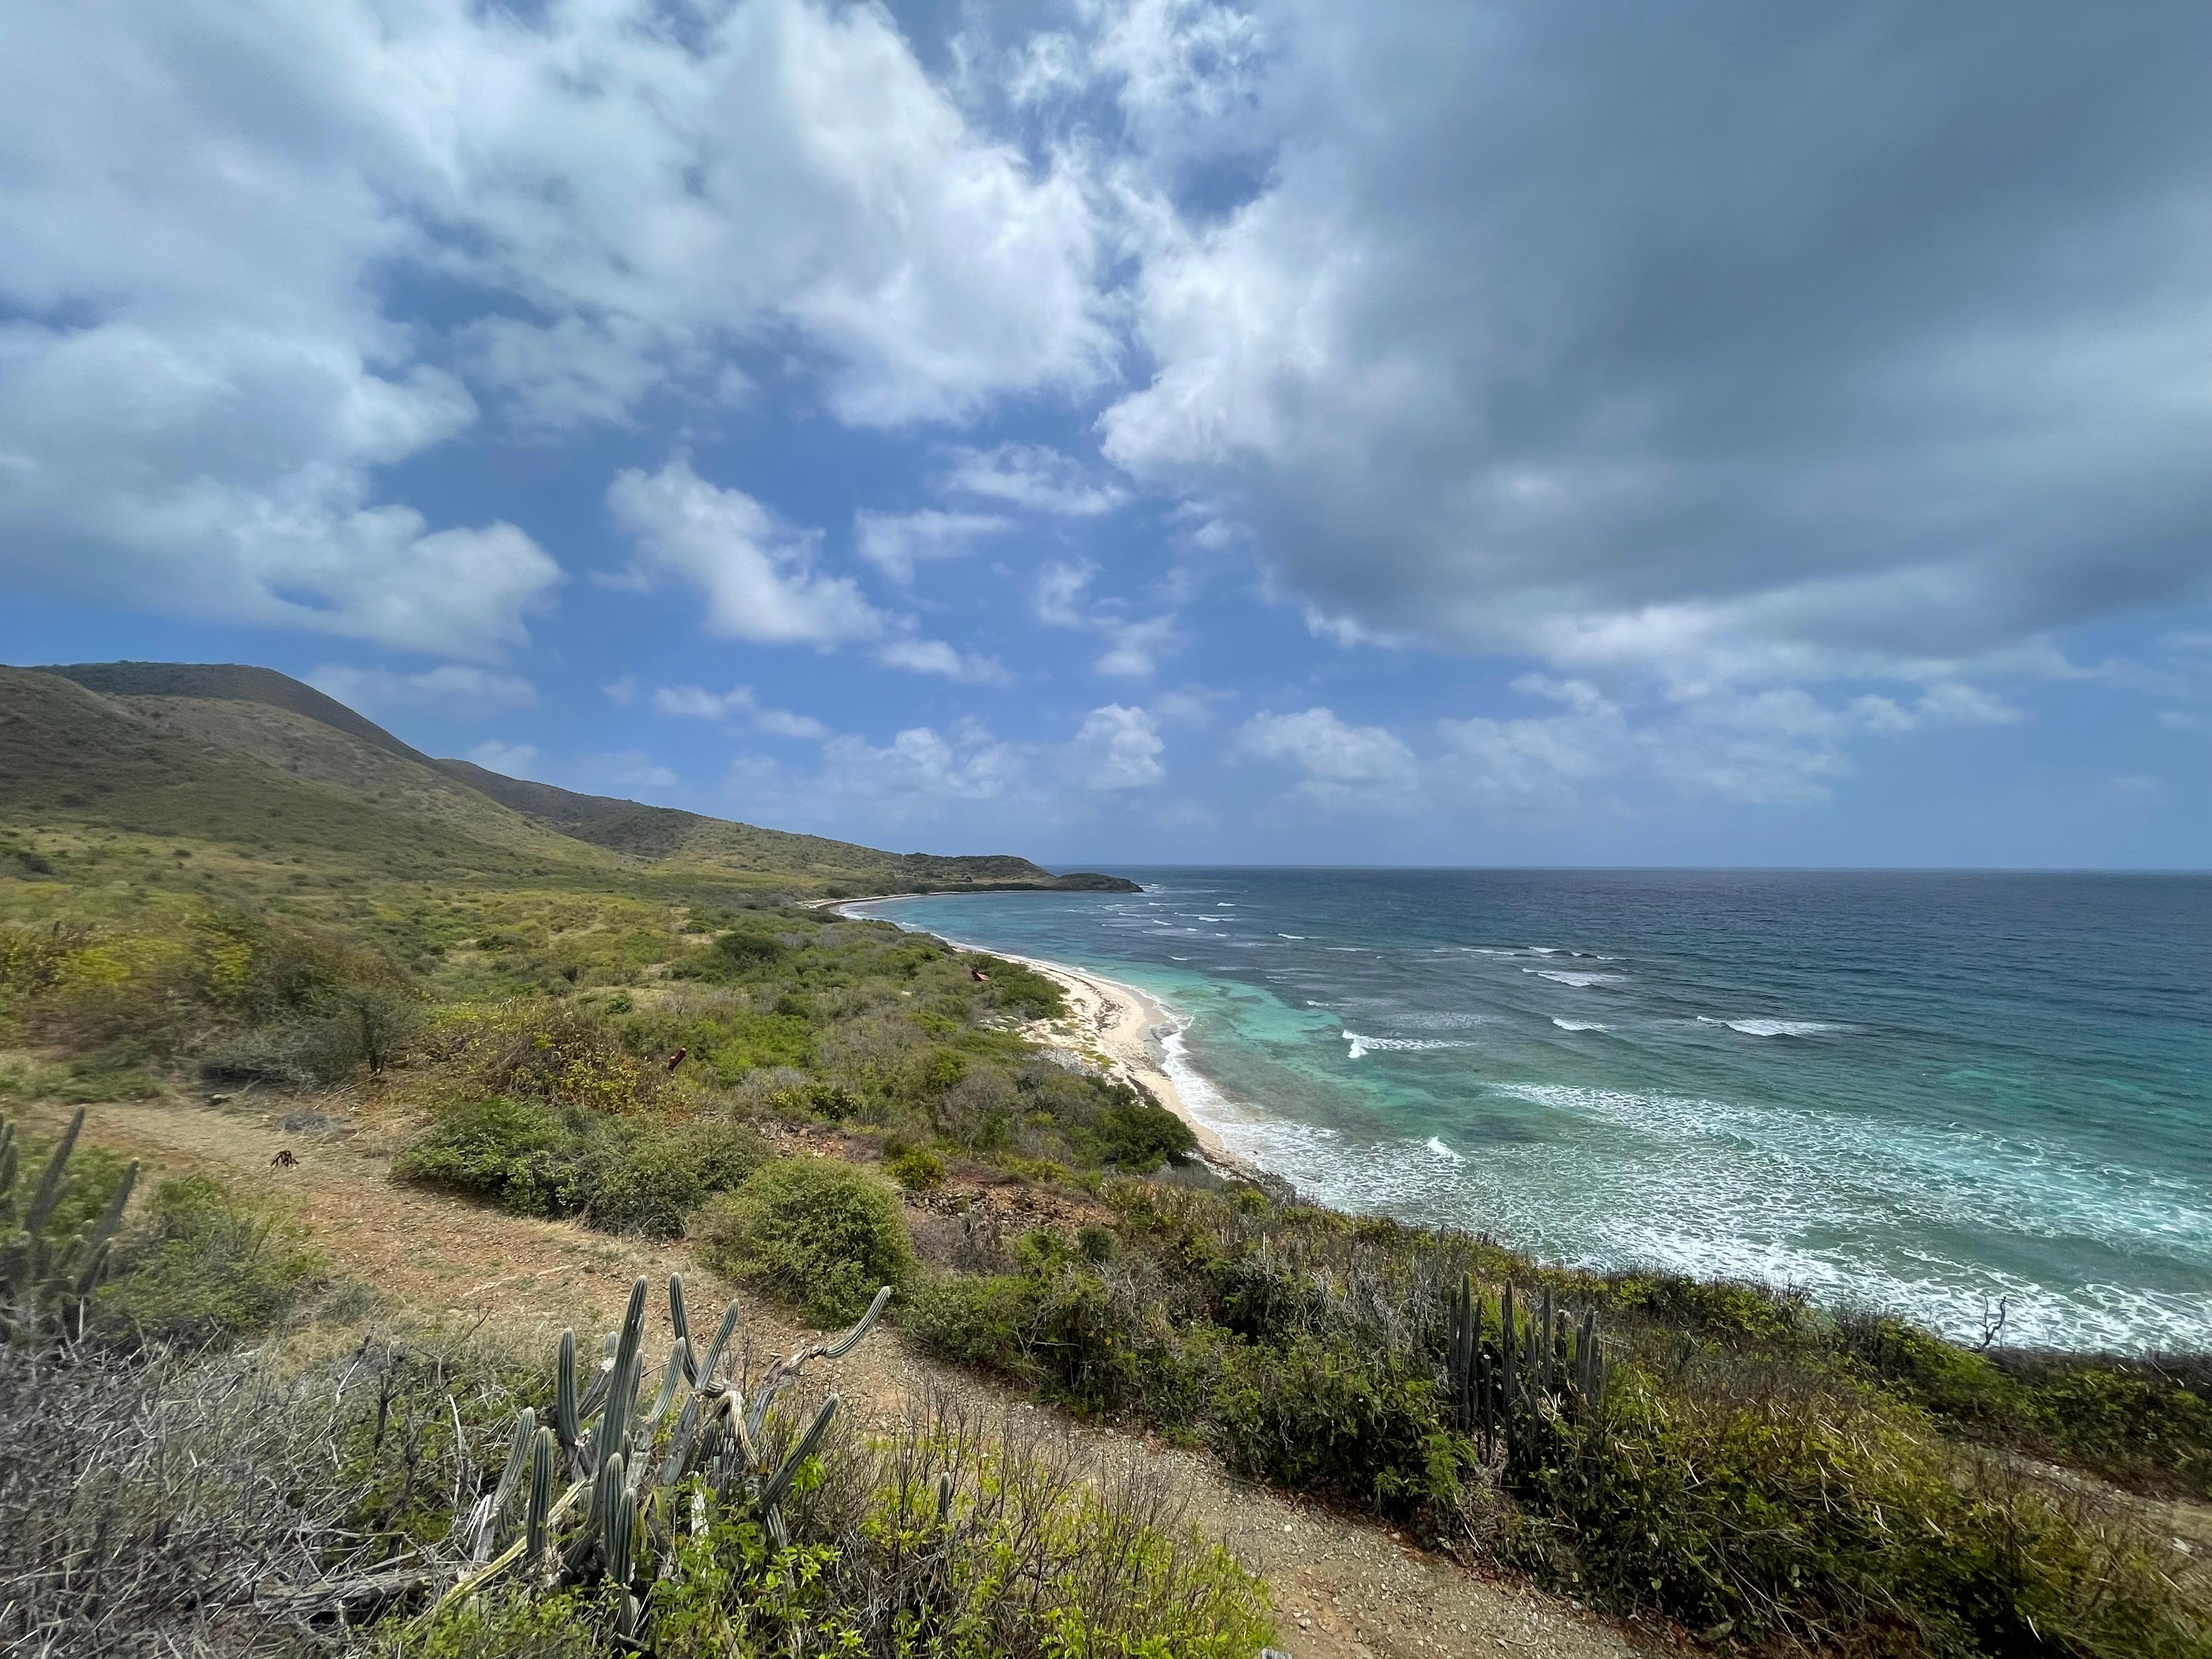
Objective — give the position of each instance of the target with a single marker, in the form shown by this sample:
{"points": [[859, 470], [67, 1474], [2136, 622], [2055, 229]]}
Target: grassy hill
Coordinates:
{"points": [[249, 757]]}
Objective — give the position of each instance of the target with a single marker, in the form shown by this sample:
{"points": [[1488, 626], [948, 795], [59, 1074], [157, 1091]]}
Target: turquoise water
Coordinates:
{"points": [[1925, 1091]]}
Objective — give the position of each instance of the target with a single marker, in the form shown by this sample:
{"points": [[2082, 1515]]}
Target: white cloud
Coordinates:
{"points": [[738, 706], [452, 689], [621, 692], [920, 773], [1030, 475], [1060, 589], [1776, 746], [207, 365], [1118, 748], [757, 575], [895, 542], [625, 768], [1342, 764], [920, 656], [516, 760], [1135, 647]]}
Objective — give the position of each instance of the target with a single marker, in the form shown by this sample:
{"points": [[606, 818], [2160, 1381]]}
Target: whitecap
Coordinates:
{"points": [[1580, 981], [1579, 1025], [1437, 1145], [1366, 1045], [1291, 936], [1776, 1027]]}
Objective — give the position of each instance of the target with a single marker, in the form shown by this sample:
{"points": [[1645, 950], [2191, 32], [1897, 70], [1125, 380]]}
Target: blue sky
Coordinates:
{"points": [[1154, 432]]}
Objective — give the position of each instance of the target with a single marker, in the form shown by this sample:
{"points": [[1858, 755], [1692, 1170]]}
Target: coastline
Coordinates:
{"points": [[1118, 1028]]}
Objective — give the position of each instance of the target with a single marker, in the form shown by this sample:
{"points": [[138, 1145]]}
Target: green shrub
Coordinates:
{"points": [[516, 1152], [563, 1053], [917, 1169], [205, 1266], [652, 1178], [629, 1174], [818, 1232], [1140, 1135], [1327, 1418]]}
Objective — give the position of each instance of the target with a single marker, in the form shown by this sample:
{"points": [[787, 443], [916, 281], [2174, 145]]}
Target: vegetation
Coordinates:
{"points": [[267, 1502], [818, 1233], [1738, 1464], [565, 1007]]}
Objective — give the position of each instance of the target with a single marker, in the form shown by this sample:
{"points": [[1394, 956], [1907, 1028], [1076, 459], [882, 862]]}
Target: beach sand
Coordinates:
{"points": [[1119, 1029]]}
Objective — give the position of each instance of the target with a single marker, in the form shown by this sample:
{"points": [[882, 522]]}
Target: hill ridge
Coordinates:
{"points": [[196, 724]]}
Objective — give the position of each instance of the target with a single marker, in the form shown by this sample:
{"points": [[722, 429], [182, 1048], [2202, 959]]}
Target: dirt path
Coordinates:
{"points": [[1344, 1590]]}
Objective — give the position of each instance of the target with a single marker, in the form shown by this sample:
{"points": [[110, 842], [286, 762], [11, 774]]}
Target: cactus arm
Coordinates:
{"points": [[566, 1424], [95, 1264], [112, 1217], [622, 1528], [537, 1516], [679, 1322], [633, 1327], [679, 1365], [517, 1463], [50, 1184], [676, 1465], [722, 1337], [773, 1493], [853, 1337]]}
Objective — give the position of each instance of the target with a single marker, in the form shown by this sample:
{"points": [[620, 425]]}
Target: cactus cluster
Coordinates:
{"points": [[622, 1480], [1515, 1377], [46, 1282]]}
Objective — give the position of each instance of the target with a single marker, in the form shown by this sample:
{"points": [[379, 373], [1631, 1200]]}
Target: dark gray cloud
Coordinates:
{"points": [[1769, 340]]}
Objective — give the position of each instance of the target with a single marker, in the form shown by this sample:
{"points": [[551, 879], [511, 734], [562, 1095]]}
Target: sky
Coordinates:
{"points": [[1164, 431]]}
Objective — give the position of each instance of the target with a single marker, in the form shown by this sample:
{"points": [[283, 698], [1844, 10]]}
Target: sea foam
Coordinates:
{"points": [[1775, 1027], [1365, 1045]]}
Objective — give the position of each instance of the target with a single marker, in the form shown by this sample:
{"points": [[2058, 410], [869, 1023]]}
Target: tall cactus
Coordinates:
{"points": [[1538, 1388], [45, 1283], [627, 1461]]}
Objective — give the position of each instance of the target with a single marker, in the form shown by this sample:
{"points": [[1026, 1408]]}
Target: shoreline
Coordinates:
{"points": [[1117, 1027]]}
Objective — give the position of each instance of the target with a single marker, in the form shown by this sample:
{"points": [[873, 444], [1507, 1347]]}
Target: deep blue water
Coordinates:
{"points": [[1925, 1090]]}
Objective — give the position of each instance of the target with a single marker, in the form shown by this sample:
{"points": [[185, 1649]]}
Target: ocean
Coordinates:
{"points": [[1920, 1090]]}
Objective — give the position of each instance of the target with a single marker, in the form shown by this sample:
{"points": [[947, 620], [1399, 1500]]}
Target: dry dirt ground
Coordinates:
{"points": [[1344, 1589]]}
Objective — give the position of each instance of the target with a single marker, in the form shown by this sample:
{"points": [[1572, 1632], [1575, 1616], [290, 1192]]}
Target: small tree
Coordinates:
{"points": [[376, 1022]]}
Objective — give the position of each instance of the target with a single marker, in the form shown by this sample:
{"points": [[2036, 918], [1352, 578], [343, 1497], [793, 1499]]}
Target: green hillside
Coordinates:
{"points": [[249, 757], [170, 769]]}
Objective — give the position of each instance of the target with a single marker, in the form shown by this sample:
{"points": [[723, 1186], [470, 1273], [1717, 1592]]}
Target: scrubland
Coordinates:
{"points": [[265, 1452]]}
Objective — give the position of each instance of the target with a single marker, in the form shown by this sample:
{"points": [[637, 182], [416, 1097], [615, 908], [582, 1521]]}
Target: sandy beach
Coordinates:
{"points": [[1118, 1028]]}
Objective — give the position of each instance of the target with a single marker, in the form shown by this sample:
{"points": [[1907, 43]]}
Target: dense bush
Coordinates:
{"points": [[644, 1175], [1748, 1474], [1035, 1556], [818, 1233], [2143, 1423], [260, 999], [205, 1266]]}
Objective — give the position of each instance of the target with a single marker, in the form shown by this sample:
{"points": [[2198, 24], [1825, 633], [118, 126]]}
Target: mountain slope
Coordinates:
{"points": [[230, 682], [248, 755], [159, 767]]}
